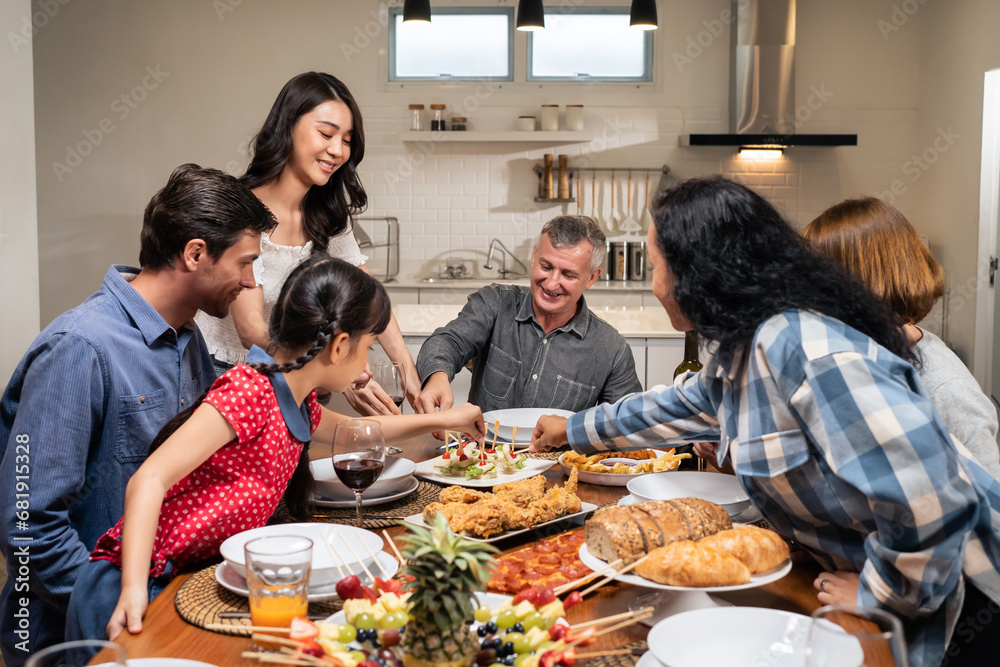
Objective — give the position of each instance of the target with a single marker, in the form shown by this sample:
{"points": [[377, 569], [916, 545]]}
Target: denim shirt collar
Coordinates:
{"points": [[296, 416], [149, 322], [576, 326]]}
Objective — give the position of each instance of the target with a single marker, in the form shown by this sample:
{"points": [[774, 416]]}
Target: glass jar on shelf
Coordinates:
{"points": [[459, 123], [416, 122], [437, 118]]}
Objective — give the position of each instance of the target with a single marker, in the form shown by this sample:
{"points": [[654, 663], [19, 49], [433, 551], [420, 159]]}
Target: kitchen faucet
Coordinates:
{"points": [[495, 245]]}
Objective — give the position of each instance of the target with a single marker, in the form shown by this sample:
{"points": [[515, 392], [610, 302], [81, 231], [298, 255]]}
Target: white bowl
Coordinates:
{"points": [[324, 568], [718, 488], [395, 476], [753, 636], [523, 418]]}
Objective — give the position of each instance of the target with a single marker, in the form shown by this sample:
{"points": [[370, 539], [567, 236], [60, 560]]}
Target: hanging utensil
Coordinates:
{"points": [[612, 220], [593, 198], [579, 195], [630, 225], [647, 216]]}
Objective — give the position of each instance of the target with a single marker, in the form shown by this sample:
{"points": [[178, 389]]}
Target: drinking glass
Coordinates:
{"points": [[78, 654], [849, 636], [358, 455], [277, 570], [391, 377]]}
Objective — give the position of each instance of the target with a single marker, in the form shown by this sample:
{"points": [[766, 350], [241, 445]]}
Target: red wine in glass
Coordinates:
{"points": [[392, 378], [358, 474], [398, 400]]}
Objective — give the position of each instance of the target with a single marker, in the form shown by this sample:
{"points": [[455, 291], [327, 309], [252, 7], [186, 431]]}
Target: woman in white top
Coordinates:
{"points": [[304, 168]]}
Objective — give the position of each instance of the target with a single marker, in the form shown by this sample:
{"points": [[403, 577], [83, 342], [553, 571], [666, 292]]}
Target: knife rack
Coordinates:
{"points": [[539, 170]]}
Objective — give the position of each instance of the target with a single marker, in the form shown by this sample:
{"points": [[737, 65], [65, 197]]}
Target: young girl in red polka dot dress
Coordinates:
{"points": [[221, 467]]}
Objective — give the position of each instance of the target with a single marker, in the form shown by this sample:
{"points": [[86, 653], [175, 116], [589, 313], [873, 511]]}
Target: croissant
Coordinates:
{"points": [[692, 564], [757, 548]]}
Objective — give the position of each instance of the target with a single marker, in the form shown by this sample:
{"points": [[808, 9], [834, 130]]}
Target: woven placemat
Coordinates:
{"points": [[373, 517], [547, 456], [627, 660], [201, 599]]}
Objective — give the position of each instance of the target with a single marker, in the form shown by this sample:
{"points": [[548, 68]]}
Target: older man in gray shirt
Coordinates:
{"points": [[537, 346]]}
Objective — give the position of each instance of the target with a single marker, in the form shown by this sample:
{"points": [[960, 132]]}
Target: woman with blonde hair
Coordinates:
{"points": [[878, 245]]}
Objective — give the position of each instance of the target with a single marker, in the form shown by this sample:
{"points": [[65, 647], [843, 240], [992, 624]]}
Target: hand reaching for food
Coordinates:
{"points": [[549, 433]]}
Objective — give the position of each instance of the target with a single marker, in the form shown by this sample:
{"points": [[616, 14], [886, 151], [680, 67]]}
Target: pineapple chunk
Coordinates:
{"points": [[354, 608], [523, 609], [552, 611], [504, 606], [329, 631], [537, 637], [330, 646]]}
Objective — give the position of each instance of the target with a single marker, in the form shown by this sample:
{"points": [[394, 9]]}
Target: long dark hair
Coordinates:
{"points": [[326, 209], [737, 262], [322, 297]]}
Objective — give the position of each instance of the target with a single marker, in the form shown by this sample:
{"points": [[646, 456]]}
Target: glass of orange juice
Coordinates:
{"points": [[277, 569]]}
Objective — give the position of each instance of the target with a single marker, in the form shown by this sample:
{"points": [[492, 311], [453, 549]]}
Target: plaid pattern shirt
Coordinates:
{"points": [[840, 448]]}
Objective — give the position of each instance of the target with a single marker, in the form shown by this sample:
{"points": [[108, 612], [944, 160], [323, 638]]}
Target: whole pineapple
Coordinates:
{"points": [[447, 571]]}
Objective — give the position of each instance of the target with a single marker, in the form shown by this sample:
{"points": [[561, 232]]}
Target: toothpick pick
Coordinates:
{"points": [[340, 558], [385, 573], [601, 654], [513, 438], [395, 549], [364, 567], [610, 619], [496, 429], [336, 560], [638, 617], [607, 579], [248, 628], [589, 577]]}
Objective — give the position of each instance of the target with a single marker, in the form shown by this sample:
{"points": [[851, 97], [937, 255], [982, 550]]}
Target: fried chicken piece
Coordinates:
{"points": [[554, 503], [521, 492], [460, 494], [484, 518], [453, 512]]}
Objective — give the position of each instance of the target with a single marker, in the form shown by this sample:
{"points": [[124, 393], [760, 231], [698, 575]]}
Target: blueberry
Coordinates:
{"points": [[517, 627], [508, 649], [491, 627], [470, 621], [481, 631], [509, 660]]}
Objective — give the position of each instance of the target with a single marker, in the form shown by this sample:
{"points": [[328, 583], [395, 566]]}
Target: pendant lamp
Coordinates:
{"points": [[417, 11], [530, 15], [643, 15]]}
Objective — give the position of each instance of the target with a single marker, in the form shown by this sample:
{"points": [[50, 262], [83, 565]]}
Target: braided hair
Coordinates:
{"points": [[322, 297]]}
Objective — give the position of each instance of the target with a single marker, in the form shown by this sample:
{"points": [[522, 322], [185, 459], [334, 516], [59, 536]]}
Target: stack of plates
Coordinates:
{"points": [[719, 488], [523, 418], [395, 482], [324, 575]]}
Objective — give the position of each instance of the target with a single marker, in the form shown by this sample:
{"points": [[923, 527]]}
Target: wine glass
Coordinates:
{"points": [[392, 378], [849, 636], [79, 653], [358, 455]]}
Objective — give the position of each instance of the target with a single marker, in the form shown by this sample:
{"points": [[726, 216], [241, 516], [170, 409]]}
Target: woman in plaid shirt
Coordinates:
{"points": [[811, 396]]}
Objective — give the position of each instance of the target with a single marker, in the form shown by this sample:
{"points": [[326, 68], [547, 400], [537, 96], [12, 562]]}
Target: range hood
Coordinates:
{"points": [[762, 111]]}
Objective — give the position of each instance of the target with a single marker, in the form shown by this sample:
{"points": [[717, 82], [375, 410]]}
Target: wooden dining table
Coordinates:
{"points": [[166, 634]]}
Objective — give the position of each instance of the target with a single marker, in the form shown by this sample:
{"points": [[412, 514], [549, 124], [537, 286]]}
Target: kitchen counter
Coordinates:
{"points": [[633, 322], [471, 284]]}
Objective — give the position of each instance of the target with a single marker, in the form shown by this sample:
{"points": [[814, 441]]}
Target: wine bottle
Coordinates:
{"points": [[690, 362]]}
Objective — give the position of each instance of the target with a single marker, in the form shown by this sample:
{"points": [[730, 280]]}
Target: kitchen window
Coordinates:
{"points": [[458, 44], [589, 44]]}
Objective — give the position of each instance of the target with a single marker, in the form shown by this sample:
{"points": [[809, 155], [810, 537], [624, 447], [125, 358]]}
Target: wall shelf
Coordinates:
{"points": [[560, 137]]}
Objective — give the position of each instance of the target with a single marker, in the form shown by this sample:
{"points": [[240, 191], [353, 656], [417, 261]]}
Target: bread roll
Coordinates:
{"points": [[757, 548], [692, 564]]}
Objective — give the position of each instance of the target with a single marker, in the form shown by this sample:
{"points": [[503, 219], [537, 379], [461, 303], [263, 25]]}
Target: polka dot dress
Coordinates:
{"points": [[237, 488]]}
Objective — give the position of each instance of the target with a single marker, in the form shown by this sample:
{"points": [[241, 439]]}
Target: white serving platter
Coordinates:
{"points": [[230, 579], [612, 479], [523, 418], [426, 470], [585, 508], [367, 500]]}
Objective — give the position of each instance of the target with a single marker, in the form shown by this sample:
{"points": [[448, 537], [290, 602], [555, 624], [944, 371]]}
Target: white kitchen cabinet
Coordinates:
{"points": [[663, 355], [398, 295]]}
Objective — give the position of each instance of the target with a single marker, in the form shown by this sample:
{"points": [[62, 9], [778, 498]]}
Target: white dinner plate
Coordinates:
{"points": [[523, 418], [753, 636], [166, 662], [612, 479], [426, 470], [647, 659], [392, 479], [230, 579], [324, 567], [595, 563], [367, 501], [719, 488], [585, 508]]}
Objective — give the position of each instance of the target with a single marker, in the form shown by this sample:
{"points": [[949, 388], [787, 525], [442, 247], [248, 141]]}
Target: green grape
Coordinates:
{"points": [[358, 655], [521, 642], [483, 614], [394, 620], [498, 664], [534, 620], [520, 659], [507, 619], [364, 621], [347, 634], [545, 646]]}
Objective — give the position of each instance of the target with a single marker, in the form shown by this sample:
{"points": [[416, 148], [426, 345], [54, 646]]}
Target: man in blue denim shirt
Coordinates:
{"points": [[100, 381], [537, 347]]}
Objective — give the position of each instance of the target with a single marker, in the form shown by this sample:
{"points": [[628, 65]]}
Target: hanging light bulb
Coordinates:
{"points": [[418, 11], [530, 15], [643, 15]]}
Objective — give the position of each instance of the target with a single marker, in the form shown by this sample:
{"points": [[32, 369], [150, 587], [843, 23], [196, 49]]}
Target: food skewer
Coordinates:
{"points": [[248, 628], [281, 641], [309, 659], [385, 573], [340, 559], [636, 617], [607, 579], [279, 659], [609, 619], [513, 437], [584, 579], [601, 654], [335, 558], [364, 567], [496, 428], [395, 549]]}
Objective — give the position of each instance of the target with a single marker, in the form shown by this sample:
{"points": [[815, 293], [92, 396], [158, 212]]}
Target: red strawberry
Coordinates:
{"points": [[349, 588], [313, 649], [558, 631], [388, 585], [573, 598], [302, 629], [529, 594], [545, 596], [370, 594]]}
